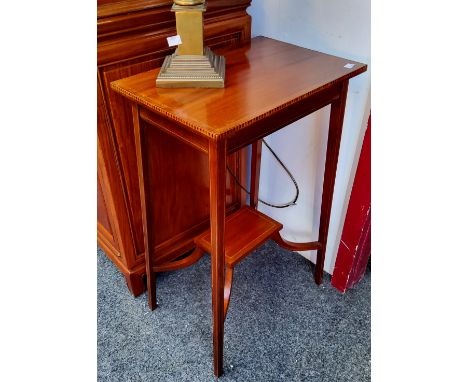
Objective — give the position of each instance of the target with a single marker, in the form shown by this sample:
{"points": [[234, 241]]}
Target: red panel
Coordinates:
{"points": [[354, 249]]}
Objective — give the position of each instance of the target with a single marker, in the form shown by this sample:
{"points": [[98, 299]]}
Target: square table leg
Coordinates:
{"points": [[255, 162], [217, 169], [145, 209], [333, 148]]}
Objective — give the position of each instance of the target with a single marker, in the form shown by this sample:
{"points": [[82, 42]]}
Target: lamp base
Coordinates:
{"points": [[192, 71]]}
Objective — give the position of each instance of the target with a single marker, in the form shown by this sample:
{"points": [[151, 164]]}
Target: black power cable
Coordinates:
{"points": [[291, 203]]}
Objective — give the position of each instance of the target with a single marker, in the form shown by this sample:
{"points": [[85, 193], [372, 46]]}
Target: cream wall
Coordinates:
{"points": [[338, 27]]}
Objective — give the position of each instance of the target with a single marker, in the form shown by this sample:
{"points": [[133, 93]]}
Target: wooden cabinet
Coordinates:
{"points": [[131, 38]]}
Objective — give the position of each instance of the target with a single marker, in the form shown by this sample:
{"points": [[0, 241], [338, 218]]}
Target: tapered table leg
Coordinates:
{"points": [[217, 164], [146, 213], [255, 162], [333, 149]]}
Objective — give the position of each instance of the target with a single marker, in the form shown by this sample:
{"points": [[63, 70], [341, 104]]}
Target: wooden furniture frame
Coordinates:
{"points": [[131, 38], [269, 85]]}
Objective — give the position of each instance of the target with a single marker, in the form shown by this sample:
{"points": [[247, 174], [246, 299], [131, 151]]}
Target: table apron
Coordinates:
{"points": [[282, 118], [170, 127], [252, 133]]}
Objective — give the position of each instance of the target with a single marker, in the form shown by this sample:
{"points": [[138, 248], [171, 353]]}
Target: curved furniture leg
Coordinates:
{"points": [[309, 246], [227, 288], [179, 264]]}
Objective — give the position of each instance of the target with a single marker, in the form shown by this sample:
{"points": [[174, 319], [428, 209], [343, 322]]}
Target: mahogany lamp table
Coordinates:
{"points": [[269, 85]]}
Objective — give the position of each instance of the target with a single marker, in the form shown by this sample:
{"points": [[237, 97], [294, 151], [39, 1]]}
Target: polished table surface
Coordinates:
{"points": [[269, 84], [262, 77]]}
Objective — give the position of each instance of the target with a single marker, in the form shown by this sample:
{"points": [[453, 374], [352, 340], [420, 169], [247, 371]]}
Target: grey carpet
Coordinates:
{"points": [[280, 325]]}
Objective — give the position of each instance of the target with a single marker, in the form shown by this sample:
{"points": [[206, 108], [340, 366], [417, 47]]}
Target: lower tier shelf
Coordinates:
{"points": [[246, 229]]}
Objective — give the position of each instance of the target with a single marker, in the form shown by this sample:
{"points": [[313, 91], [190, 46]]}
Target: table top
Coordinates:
{"points": [[262, 77]]}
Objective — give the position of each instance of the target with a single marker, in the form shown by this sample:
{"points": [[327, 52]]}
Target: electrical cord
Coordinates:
{"points": [[291, 203]]}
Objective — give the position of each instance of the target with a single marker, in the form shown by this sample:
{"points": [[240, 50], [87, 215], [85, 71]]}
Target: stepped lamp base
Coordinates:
{"points": [[192, 71]]}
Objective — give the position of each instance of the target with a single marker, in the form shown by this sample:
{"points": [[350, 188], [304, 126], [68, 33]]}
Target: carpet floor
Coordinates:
{"points": [[280, 325]]}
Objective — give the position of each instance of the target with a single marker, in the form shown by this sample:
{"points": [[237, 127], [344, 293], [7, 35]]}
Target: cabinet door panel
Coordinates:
{"points": [[102, 217], [121, 119]]}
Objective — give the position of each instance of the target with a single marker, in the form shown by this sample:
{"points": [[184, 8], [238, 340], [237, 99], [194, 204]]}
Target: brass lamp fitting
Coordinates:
{"points": [[191, 65]]}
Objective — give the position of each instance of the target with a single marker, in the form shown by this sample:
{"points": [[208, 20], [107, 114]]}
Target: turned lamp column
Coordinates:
{"points": [[192, 65]]}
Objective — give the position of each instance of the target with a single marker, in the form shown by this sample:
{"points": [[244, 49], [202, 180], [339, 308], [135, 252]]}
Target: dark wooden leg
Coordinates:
{"points": [[217, 163], [243, 160], [255, 172], [146, 213], [333, 148]]}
